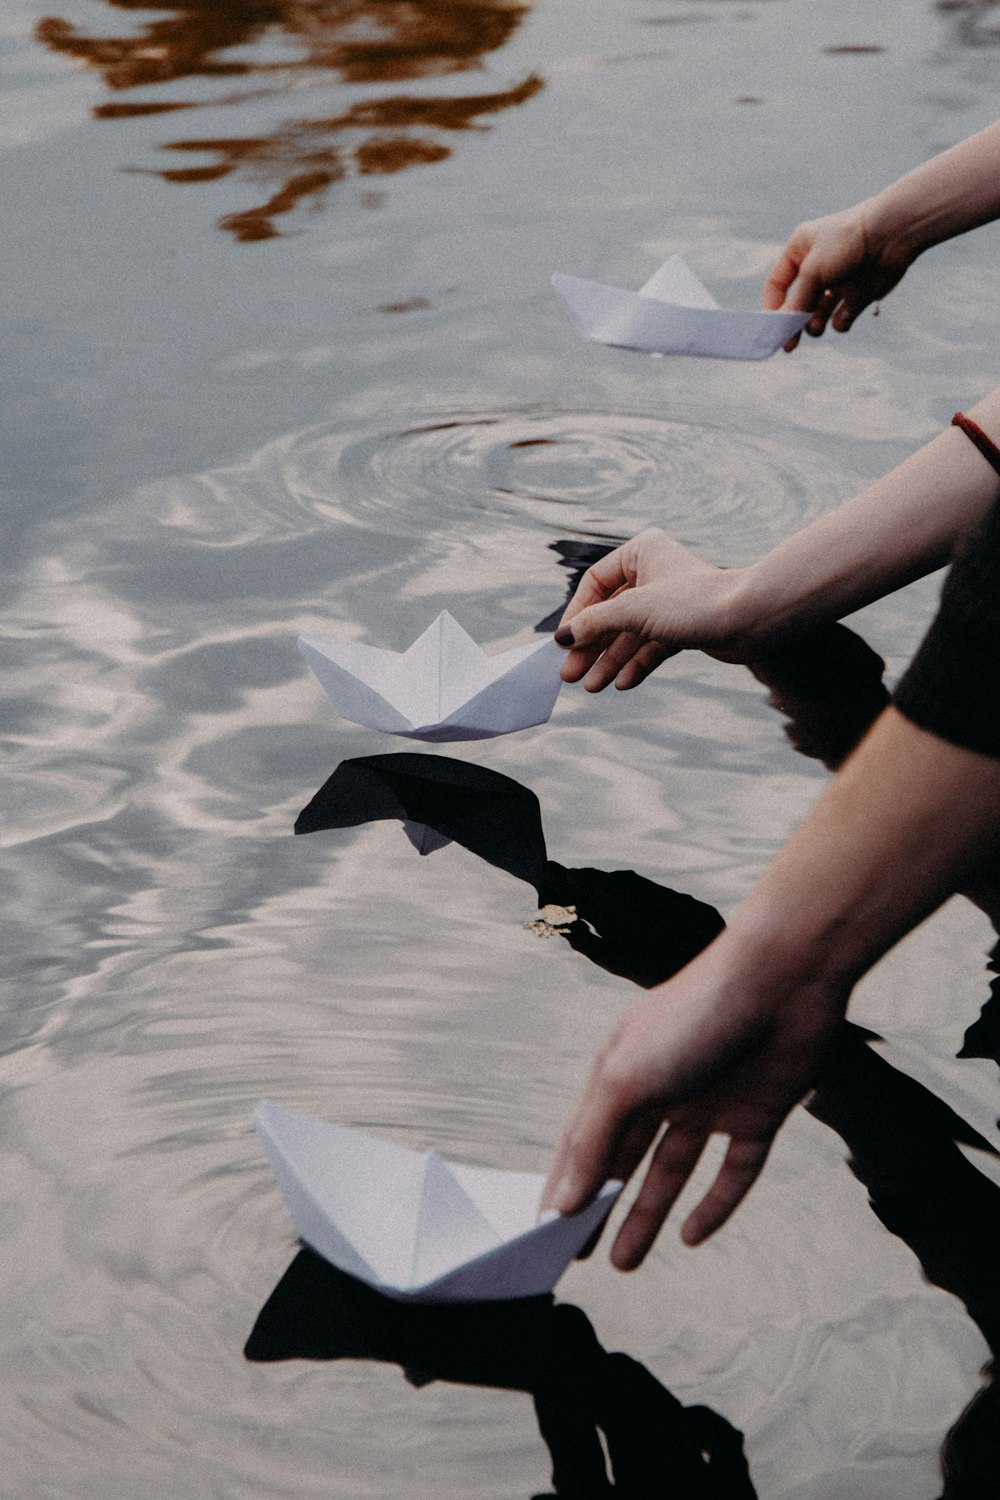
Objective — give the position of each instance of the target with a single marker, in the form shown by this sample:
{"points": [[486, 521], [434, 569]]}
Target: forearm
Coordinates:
{"points": [[947, 195], [910, 820], [902, 527], [734, 1041]]}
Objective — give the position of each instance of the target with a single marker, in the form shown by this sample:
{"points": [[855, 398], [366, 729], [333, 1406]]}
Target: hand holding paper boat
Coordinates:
{"points": [[413, 1225], [444, 687], [673, 314]]}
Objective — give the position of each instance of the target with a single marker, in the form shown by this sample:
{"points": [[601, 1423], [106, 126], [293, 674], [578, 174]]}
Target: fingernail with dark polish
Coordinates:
{"points": [[564, 636]]}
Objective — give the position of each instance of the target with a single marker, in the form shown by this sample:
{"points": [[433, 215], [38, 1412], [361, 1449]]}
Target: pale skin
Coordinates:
{"points": [[653, 597], [731, 1043], [836, 266]]}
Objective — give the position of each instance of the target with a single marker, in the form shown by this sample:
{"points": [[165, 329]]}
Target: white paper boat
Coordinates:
{"points": [[673, 314], [444, 687], [413, 1225]]}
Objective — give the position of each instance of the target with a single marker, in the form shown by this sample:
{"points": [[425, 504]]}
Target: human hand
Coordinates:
{"points": [[717, 1049], [641, 604], [835, 267]]}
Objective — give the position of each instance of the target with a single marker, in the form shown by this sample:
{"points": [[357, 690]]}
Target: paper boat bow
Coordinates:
{"points": [[444, 687], [673, 314], [414, 1226]]}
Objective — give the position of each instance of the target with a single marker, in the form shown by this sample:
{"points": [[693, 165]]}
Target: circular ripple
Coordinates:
{"points": [[580, 473]]}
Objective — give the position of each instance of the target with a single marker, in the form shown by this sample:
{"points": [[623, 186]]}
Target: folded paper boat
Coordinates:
{"points": [[673, 314], [444, 687], [413, 1225]]}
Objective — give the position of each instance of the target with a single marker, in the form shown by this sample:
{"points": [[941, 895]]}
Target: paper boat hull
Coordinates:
{"points": [[523, 697], [628, 320], [495, 695], [324, 1172]]}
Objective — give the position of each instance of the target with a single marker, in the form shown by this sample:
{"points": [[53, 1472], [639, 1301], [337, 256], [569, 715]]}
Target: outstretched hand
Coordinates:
{"points": [[710, 1052], [834, 267], [641, 604]]}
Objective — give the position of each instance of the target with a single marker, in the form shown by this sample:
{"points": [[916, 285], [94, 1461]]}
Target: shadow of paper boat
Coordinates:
{"points": [[413, 1225]]}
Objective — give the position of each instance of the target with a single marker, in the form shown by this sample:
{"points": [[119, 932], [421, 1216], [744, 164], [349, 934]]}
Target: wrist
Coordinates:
{"points": [[793, 947], [770, 979], [896, 226], [762, 605]]}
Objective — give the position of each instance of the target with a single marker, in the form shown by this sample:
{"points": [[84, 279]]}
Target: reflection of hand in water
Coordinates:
{"points": [[655, 1446], [829, 684], [902, 1143], [361, 41], [625, 923], [903, 1140], [577, 557], [630, 925]]}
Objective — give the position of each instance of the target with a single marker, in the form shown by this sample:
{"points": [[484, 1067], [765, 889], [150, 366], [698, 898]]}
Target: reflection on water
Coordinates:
{"points": [[655, 1446], [974, 21], [591, 477], [903, 1140], [350, 471], [362, 42], [620, 920], [576, 557], [829, 686]]}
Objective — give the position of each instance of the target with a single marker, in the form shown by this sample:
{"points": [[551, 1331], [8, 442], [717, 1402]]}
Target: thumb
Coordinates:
{"points": [[856, 299], [599, 624]]}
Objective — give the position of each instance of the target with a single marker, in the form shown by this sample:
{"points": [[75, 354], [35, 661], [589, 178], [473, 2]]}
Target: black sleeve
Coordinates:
{"points": [[952, 686]]}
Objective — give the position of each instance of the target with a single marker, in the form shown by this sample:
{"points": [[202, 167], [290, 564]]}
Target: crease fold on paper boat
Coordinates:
{"points": [[413, 1225], [443, 687], [673, 313]]}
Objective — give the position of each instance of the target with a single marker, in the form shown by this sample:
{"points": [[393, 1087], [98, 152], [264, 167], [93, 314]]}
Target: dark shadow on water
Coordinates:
{"points": [[656, 1448], [973, 23], [359, 42], [903, 1141], [576, 557], [617, 918], [829, 687]]}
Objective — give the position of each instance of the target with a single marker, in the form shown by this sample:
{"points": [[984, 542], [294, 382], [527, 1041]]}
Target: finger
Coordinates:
{"points": [[646, 660], [591, 1143], [568, 1186], [780, 278], [599, 624], [855, 302], [825, 304], [601, 581], [612, 661], [634, 1144], [578, 663], [635, 1141], [740, 1169], [807, 293], [671, 1165]]}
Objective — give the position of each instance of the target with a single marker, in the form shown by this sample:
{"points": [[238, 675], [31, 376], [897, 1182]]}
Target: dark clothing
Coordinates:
{"points": [[952, 686]]}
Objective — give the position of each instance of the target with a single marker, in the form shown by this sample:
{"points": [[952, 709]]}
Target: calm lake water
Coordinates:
{"points": [[282, 356]]}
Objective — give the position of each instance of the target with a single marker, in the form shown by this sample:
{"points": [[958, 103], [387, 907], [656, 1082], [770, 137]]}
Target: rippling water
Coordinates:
{"points": [[282, 357]]}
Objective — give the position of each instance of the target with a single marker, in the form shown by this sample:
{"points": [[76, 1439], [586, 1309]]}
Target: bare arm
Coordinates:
{"points": [[836, 266], [732, 1042], [652, 598]]}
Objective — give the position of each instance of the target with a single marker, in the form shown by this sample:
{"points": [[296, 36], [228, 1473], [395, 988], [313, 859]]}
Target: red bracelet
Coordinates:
{"points": [[975, 433]]}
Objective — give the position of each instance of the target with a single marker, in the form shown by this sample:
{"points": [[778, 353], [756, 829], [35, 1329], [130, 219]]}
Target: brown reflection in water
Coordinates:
{"points": [[974, 22], [361, 41]]}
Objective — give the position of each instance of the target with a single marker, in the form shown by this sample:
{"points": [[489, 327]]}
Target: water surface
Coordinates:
{"points": [[282, 357]]}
